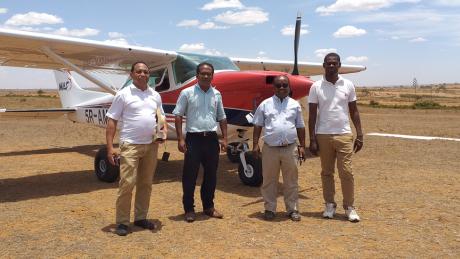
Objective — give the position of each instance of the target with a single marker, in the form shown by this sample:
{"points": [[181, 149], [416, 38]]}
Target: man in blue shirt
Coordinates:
{"points": [[281, 117], [202, 106]]}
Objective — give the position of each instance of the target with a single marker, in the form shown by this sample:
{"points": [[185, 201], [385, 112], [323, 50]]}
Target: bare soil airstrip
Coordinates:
{"points": [[407, 193]]}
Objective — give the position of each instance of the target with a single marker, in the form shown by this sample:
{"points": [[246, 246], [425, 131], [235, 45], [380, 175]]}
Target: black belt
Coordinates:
{"points": [[283, 145], [202, 133]]}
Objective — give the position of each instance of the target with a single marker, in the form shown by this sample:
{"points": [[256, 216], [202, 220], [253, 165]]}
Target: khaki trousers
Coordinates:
{"points": [[274, 159], [338, 147], [137, 167]]}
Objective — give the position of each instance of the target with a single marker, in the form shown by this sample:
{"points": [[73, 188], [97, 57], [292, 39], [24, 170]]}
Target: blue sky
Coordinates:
{"points": [[396, 40]]}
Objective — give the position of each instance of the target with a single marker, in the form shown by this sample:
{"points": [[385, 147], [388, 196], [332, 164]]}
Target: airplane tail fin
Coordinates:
{"points": [[71, 94]]}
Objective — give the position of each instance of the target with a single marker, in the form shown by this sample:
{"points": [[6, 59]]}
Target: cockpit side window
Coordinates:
{"points": [[159, 79]]}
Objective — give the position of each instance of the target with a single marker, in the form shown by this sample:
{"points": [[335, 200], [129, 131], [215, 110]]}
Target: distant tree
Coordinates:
{"points": [[40, 92]]}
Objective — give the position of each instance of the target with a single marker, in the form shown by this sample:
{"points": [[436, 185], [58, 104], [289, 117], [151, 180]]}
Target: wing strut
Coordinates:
{"points": [[80, 71]]}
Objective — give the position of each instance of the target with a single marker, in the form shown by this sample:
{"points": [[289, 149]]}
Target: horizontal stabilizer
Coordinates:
{"points": [[35, 113]]}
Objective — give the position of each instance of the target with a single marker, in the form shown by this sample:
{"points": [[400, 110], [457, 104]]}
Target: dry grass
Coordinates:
{"points": [[445, 95], [406, 192]]}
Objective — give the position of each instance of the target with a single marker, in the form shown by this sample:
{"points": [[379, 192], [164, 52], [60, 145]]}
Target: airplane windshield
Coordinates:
{"points": [[185, 65]]}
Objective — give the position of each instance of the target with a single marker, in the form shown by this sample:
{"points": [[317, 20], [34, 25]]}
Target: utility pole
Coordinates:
{"points": [[415, 84]]}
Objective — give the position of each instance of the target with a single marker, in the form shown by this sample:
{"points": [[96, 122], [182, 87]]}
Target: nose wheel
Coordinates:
{"points": [[250, 166]]}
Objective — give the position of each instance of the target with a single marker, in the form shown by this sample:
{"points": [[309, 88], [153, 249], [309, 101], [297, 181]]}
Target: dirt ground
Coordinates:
{"points": [[407, 194]]}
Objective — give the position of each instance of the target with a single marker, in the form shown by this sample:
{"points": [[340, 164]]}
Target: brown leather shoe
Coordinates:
{"points": [[190, 216], [213, 213]]}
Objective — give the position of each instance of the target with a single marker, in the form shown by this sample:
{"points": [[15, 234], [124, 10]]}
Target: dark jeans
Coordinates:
{"points": [[201, 149]]}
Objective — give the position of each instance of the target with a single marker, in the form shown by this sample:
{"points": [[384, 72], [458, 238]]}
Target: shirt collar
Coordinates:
{"points": [[277, 99], [338, 80], [137, 89], [197, 86]]}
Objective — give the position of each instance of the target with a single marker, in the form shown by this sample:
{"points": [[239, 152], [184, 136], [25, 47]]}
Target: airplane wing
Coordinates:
{"points": [[305, 68], [25, 49], [36, 113]]}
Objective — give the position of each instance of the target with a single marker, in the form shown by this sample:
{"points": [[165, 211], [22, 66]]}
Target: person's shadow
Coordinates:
{"points": [[132, 228]]}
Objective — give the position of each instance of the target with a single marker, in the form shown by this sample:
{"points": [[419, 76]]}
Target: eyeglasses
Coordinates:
{"points": [[281, 85]]}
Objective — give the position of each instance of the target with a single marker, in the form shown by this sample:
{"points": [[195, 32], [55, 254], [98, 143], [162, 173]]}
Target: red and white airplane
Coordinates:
{"points": [[244, 84]]}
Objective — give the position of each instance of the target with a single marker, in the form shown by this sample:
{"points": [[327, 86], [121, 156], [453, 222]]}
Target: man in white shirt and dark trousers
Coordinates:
{"points": [[330, 100], [281, 118], [136, 107]]}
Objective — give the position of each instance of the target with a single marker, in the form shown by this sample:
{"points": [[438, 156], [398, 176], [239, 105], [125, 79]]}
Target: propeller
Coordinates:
{"points": [[298, 21]]}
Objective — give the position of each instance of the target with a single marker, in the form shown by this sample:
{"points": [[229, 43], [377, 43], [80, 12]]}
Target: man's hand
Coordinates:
{"points": [[313, 147], [358, 145], [256, 151], [181, 145], [301, 153], [223, 145], [111, 154]]}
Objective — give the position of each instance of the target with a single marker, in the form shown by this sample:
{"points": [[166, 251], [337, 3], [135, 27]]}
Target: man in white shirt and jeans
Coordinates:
{"points": [[136, 107], [330, 101], [281, 116]]}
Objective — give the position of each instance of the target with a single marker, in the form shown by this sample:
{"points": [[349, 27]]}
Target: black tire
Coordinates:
{"points": [[232, 154], [254, 176], [105, 171]]}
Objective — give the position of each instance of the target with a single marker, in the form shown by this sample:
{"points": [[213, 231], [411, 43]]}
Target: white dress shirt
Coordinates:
{"points": [[280, 120], [136, 111]]}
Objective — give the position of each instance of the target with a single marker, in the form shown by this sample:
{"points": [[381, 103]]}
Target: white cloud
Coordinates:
{"points": [[395, 37], [199, 48], [76, 32], [353, 59], [418, 39], [262, 55], [3, 10], [321, 53], [114, 34], [416, 22], [117, 41], [358, 5], [448, 2], [289, 30], [349, 31], [249, 16], [192, 47], [218, 4], [210, 26], [33, 18], [188, 23]]}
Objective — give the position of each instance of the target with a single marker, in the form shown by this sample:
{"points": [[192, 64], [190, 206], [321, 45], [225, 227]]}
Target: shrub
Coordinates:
{"points": [[374, 103], [426, 104]]}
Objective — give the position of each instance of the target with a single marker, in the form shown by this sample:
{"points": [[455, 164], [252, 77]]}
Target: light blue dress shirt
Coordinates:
{"points": [[280, 120], [202, 109]]}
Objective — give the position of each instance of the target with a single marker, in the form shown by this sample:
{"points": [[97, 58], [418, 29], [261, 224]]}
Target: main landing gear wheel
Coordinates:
{"points": [[104, 170], [252, 176], [233, 151]]}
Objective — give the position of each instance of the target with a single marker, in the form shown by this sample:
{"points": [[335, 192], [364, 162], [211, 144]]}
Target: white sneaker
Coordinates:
{"points": [[329, 210], [351, 214]]}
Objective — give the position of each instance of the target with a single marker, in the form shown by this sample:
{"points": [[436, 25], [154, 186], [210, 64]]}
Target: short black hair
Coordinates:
{"points": [[138, 62], [202, 64], [278, 77], [332, 54]]}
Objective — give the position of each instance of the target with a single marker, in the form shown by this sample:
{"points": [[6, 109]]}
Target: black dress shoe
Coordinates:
{"points": [[190, 216], [269, 215], [121, 230], [294, 215], [145, 224]]}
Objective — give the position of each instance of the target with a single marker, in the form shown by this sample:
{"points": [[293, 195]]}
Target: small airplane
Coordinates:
{"points": [[243, 83]]}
